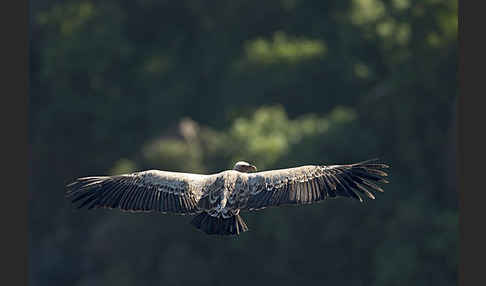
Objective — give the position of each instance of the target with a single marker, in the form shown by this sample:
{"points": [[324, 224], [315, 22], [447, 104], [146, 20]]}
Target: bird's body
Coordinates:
{"points": [[217, 199]]}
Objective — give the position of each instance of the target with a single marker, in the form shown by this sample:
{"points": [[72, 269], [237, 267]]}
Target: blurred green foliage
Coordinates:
{"points": [[193, 86]]}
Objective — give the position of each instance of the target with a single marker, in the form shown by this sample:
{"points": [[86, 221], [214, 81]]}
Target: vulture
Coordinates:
{"points": [[216, 200]]}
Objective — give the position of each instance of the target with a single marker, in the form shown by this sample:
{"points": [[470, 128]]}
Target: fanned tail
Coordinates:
{"points": [[218, 225]]}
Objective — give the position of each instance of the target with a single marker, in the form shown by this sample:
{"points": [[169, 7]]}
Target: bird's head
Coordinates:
{"points": [[244, 167]]}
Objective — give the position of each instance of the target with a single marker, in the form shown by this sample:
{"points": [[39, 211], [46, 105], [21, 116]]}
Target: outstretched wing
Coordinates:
{"points": [[308, 184], [146, 191]]}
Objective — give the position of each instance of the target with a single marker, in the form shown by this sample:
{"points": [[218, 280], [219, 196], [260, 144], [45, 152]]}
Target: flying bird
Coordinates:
{"points": [[217, 199]]}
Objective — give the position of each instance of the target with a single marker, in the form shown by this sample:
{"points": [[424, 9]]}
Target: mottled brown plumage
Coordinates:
{"points": [[217, 199]]}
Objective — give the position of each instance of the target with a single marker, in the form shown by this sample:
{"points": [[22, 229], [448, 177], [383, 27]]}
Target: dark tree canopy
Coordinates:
{"points": [[194, 86]]}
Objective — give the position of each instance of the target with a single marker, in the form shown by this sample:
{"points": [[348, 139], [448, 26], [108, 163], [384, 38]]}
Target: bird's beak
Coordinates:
{"points": [[253, 168]]}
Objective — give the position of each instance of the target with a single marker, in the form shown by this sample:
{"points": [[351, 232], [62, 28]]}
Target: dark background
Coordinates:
{"points": [[121, 86]]}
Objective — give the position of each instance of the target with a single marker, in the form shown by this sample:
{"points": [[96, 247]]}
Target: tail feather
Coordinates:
{"points": [[218, 225]]}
